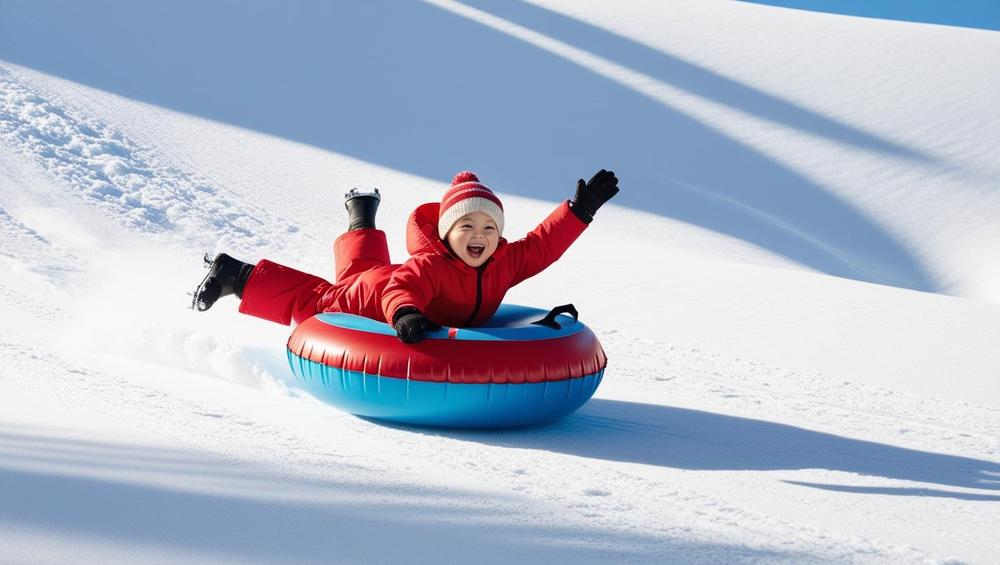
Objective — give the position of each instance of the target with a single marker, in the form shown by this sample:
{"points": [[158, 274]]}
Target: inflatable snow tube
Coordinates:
{"points": [[524, 366]]}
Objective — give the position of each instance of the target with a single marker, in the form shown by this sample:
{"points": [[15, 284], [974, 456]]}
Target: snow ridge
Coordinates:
{"points": [[127, 181]]}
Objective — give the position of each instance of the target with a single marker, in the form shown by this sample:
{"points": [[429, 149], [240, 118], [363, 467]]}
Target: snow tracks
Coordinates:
{"points": [[134, 184]]}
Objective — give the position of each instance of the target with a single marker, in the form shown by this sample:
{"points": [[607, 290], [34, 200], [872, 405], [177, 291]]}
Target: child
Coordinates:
{"points": [[459, 270]]}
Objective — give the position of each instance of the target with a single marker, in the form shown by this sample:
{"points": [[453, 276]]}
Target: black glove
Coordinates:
{"points": [[411, 325], [592, 195]]}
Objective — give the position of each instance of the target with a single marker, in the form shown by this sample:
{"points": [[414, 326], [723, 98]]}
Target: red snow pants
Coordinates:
{"points": [[282, 294]]}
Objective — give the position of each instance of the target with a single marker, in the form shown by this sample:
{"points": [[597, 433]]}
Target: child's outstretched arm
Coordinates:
{"points": [[546, 243]]}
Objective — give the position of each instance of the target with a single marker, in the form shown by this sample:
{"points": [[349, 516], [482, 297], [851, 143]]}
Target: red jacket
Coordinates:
{"points": [[450, 292], [433, 280]]}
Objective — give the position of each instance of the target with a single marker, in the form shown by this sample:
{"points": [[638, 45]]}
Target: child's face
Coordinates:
{"points": [[474, 238]]}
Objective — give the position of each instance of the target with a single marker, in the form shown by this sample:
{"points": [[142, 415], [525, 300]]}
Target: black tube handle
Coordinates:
{"points": [[549, 320]]}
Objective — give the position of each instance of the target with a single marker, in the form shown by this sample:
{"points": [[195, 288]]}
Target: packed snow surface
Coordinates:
{"points": [[798, 287]]}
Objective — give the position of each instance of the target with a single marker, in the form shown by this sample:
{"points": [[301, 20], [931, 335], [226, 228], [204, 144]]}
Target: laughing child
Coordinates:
{"points": [[459, 270]]}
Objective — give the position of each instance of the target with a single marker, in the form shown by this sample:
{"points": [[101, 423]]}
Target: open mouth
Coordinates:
{"points": [[475, 250]]}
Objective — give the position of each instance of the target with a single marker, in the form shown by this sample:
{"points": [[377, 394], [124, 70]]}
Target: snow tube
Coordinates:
{"points": [[522, 367]]}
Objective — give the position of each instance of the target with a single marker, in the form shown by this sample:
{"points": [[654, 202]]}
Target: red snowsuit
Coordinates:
{"points": [[434, 280]]}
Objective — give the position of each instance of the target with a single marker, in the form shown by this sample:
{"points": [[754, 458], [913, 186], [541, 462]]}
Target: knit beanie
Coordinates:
{"points": [[468, 195]]}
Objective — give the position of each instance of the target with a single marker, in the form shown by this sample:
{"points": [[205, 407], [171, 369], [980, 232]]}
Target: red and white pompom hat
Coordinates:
{"points": [[468, 195]]}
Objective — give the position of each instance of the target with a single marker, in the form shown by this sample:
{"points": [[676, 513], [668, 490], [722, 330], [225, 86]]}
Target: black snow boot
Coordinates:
{"points": [[225, 276], [361, 208]]}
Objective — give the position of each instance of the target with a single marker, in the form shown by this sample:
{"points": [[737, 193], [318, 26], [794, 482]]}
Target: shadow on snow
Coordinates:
{"points": [[172, 500], [680, 438], [423, 90]]}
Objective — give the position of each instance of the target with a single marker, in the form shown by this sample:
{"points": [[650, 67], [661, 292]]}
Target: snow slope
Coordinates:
{"points": [[798, 287]]}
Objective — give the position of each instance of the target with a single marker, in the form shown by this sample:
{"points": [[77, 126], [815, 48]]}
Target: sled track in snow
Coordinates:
{"points": [[128, 181], [26, 250]]}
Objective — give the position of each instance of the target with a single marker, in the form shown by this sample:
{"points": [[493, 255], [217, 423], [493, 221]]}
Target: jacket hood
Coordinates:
{"points": [[422, 232]]}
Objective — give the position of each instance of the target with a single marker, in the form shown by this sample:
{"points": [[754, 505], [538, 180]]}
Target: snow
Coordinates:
{"points": [[798, 287]]}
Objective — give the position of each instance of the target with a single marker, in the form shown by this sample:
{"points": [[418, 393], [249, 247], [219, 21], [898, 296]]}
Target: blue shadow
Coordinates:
{"points": [[980, 14], [171, 502], [690, 77], [679, 438], [901, 491], [418, 89]]}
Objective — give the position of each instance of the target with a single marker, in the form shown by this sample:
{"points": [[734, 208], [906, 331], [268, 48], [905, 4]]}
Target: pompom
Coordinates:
{"points": [[464, 176]]}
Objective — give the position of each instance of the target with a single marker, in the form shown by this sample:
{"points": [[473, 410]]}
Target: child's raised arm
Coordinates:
{"points": [[546, 243]]}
